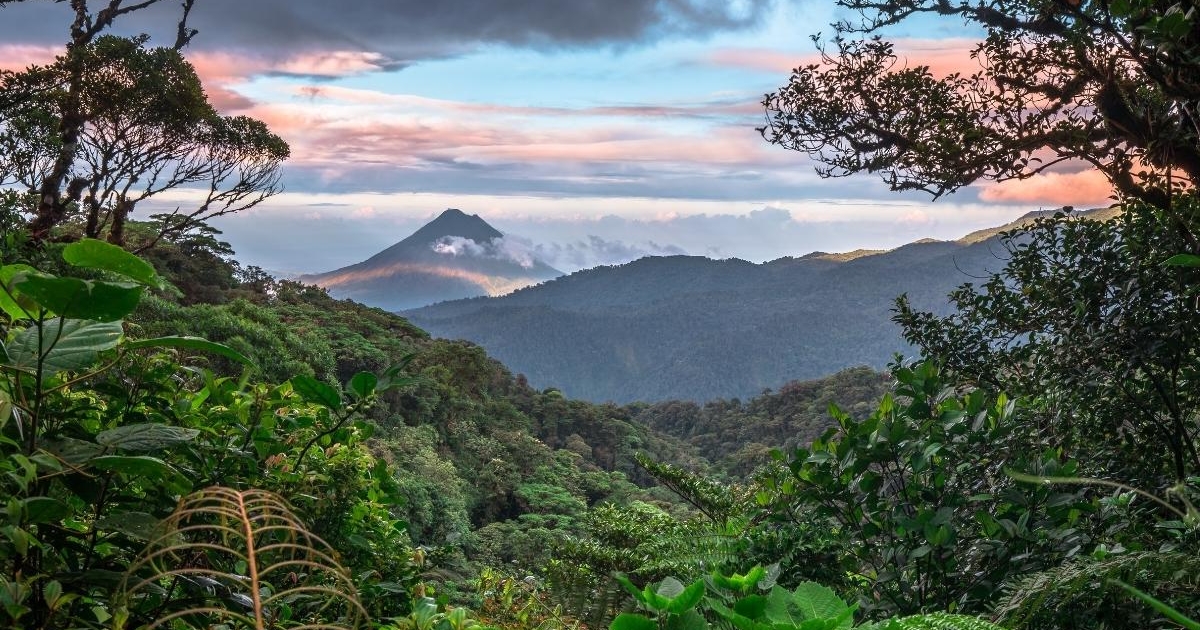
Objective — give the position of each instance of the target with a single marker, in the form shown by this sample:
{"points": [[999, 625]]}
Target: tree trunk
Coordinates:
{"points": [[116, 233]]}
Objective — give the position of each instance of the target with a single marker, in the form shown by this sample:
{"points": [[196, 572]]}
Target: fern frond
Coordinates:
{"points": [[239, 559], [1079, 584], [717, 501], [692, 553], [934, 621]]}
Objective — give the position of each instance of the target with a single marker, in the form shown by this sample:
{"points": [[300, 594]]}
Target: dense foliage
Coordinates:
{"points": [[738, 436], [188, 443]]}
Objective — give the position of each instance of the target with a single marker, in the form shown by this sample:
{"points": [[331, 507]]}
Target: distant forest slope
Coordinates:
{"points": [[693, 328], [737, 436]]}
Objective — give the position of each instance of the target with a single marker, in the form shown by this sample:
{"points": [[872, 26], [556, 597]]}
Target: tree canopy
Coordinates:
{"points": [[113, 122], [1113, 84]]}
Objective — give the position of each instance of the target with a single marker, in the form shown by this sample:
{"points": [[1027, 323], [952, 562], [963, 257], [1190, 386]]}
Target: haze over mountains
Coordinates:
{"points": [[454, 256], [688, 327]]}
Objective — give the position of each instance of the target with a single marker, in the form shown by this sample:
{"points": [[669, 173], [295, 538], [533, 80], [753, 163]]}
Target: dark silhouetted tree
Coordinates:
{"points": [[1112, 84]]}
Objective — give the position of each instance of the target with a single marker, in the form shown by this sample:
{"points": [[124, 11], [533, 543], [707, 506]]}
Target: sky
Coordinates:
{"points": [[588, 131]]}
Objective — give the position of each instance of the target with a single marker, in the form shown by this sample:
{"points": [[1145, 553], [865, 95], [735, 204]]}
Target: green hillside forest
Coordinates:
{"points": [[187, 442]]}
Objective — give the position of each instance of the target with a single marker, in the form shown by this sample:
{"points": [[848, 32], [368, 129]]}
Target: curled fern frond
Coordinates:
{"points": [[238, 559]]}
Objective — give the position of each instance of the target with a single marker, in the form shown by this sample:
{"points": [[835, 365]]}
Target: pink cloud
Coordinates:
{"points": [[223, 72], [357, 96], [763, 59], [722, 146], [19, 56], [1084, 189], [332, 64], [942, 56], [338, 137]]}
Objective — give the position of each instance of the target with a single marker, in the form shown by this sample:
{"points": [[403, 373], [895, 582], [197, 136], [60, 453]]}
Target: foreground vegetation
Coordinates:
{"points": [[188, 443], [452, 493]]}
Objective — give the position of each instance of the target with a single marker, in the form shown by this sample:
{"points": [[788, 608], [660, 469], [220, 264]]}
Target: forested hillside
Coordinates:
{"points": [[738, 436]]}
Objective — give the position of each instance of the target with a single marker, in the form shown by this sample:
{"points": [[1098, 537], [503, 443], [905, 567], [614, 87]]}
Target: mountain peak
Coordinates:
{"points": [[453, 222], [456, 255]]}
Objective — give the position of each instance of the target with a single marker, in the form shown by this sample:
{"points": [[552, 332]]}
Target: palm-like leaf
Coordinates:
{"points": [[238, 559]]}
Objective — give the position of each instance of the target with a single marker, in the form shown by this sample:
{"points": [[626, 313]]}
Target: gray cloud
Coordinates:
{"points": [[505, 248], [593, 251], [287, 239], [655, 180], [404, 30]]}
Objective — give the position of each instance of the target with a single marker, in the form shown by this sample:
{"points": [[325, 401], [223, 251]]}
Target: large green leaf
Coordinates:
{"points": [[816, 601], [44, 510], [629, 621], [80, 299], [688, 598], [779, 608], [135, 465], [751, 606], [315, 391], [66, 344], [670, 588], [145, 437], [363, 384], [192, 343], [688, 620], [72, 451], [1183, 260], [95, 254], [8, 303]]}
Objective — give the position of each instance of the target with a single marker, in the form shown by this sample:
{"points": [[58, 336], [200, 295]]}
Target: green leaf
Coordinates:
{"points": [[363, 384], [66, 344], [816, 601], [8, 304], [73, 451], [740, 621], [688, 620], [315, 391], [1183, 260], [80, 299], [134, 465], [630, 587], [629, 621], [687, 599], [192, 343], [95, 254], [751, 606], [145, 437], [669, 588], [44, 510], [779, 608], [6, 406]]}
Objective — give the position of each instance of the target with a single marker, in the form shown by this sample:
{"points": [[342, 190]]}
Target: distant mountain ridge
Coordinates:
{"points": [[693, 328], [454, 256]]}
